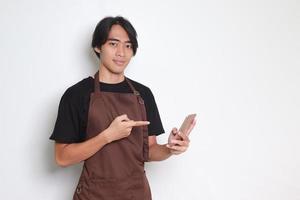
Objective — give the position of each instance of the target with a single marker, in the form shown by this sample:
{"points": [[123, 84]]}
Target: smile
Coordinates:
{"points": [[119, 62]]}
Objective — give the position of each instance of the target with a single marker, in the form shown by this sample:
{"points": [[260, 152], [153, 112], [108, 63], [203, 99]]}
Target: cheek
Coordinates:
{"points": [[128, 59], [129, 55], [106, 56]]}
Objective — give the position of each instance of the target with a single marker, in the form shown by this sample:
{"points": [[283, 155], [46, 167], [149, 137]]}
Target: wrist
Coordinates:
{"points": [[105, 134]]}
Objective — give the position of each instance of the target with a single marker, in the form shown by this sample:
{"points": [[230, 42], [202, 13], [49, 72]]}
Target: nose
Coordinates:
{"points": [[120, 50]]}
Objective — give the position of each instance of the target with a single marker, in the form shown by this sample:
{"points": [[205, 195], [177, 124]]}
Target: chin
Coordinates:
{"points": [[118, 71]]}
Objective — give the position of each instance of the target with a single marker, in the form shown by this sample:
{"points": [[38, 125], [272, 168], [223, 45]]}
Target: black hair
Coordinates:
{"points": [[103, 27]]}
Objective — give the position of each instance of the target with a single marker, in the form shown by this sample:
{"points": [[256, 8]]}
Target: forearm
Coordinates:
{"points": [[76, 152], [158, 152]]}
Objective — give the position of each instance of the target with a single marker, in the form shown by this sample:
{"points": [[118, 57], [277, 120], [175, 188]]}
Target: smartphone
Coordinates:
{"points": [[187, 123], [184, 126]]}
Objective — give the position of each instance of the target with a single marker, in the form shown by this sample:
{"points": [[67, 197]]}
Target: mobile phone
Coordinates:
{"points": [[186, 123], [184, 127]]}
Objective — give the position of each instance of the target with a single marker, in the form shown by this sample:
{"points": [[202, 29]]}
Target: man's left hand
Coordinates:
{"points": [[178, 142]]}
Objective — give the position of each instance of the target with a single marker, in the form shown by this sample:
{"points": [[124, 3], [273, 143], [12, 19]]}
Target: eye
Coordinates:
{"points": [[129, 46], [113, 44]]}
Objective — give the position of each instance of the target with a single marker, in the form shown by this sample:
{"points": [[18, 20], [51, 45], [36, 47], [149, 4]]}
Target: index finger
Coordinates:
{"points": [[140, 123]]}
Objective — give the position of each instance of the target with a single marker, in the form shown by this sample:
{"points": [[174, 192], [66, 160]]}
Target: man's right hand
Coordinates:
{"points": [[121, 127]]}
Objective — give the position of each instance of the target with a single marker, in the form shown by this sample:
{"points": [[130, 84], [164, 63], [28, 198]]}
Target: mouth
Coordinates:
{"points": [[119, 62]]}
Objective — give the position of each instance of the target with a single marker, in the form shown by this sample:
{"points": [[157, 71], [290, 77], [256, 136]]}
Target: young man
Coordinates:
{"points": [[111, 122]]}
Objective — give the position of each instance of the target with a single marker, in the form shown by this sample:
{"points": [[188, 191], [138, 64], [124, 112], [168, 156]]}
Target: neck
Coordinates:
{"points": [[107, 76]]}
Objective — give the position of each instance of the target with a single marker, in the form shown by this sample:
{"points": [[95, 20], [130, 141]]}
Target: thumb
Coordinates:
{"points": [[123, 117], [174, 131]]}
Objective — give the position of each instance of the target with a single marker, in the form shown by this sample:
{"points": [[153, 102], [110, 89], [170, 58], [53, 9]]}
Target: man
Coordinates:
{"points": [[111, 122]]}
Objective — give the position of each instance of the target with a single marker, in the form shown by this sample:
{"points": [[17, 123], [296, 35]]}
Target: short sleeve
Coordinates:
{"points": [[67, 125], [155, 127]]}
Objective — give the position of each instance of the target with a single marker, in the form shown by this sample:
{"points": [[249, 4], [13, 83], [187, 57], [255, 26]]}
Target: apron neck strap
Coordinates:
{"points": [[97, 84], [135, 92]]}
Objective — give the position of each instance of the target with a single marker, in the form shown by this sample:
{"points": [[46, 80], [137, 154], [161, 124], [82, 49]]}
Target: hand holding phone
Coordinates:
{"points": [[185, 128]]}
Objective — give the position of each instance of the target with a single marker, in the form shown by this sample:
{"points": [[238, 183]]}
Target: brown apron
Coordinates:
{"points": [[115, 172]]}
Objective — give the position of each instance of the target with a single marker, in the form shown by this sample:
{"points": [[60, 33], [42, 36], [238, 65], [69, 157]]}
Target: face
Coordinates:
{"points": [[116, 52]]}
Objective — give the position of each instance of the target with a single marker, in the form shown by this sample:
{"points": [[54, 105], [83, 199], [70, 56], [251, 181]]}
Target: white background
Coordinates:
{"points": [[234, 63]]}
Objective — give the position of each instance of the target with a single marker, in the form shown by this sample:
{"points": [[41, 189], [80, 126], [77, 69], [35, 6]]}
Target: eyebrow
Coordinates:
{"points": [[113, 39]]}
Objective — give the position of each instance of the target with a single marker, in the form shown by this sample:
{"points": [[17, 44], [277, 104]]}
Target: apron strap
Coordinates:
{"points": [[96, 82], [137, 93]]}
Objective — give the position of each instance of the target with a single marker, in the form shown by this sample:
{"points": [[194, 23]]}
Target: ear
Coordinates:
{"points": [[97, 49]]}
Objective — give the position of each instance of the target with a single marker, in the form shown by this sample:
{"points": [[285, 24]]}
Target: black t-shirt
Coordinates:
{"points": [[71, 122]]}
